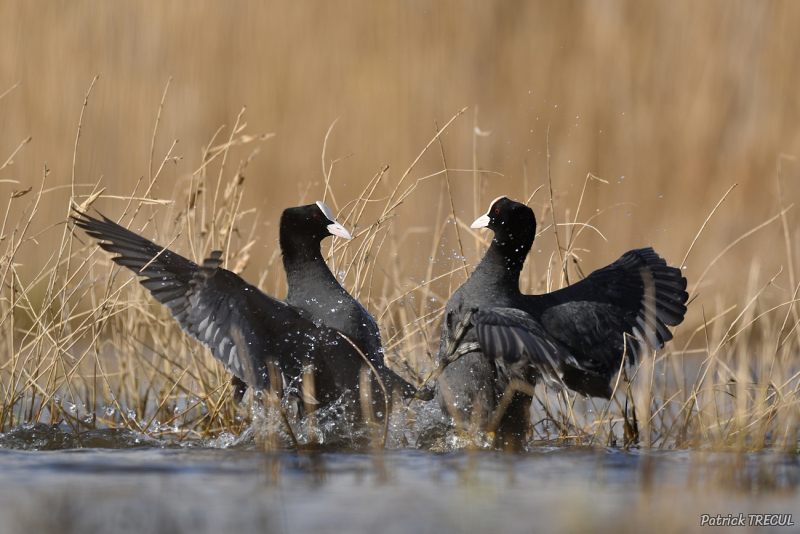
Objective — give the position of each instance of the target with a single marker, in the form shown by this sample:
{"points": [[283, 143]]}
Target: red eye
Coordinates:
{"points": [[496, 210], [316, 216]]}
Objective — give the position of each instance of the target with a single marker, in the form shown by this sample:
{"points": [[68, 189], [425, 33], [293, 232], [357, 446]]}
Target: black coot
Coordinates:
{"points": [[315, 291], [246, 329], [574, 337]]}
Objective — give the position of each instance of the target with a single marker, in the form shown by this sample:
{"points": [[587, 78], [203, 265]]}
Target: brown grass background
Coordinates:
{"points": [[682, 98]]}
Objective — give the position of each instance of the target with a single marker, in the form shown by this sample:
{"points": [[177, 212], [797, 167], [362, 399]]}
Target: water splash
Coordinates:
{"points": [[44, 437]]}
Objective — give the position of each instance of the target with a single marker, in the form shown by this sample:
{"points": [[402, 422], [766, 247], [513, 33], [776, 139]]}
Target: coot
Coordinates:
{"points": [[250, 332], [320, 297], [572, 338]]}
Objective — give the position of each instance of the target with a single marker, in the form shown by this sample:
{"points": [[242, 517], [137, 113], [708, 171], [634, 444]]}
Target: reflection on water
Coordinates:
{"points": [[243, 490]]}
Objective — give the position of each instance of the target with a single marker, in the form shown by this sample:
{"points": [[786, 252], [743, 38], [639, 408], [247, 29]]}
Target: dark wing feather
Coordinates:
{"points": [[638, 295], [243, 326], [511, 335]]}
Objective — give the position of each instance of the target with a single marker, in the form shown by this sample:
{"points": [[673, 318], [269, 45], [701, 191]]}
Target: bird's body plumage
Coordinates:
{"points": [[574, 337], [265, 342], [245, 329], [320, 297]]}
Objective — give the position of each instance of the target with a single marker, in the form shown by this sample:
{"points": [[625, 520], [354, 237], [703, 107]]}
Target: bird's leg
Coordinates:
{"points": [[425, 391]]}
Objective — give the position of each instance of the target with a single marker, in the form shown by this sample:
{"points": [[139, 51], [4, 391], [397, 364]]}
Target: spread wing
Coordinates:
{"points": [[244, 327], [513, 336], [637, 295]]}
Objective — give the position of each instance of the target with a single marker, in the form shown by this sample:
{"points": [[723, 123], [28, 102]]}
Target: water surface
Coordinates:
{"points": [[203, 489]]}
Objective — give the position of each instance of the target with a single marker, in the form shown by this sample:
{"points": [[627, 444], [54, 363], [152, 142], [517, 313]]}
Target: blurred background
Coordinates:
{"points": [[670, 102]]}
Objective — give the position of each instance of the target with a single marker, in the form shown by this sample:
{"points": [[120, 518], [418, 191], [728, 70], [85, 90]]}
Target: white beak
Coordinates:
{"points": [[484, 220], [334, 228], [339, 231], [481, 222]]}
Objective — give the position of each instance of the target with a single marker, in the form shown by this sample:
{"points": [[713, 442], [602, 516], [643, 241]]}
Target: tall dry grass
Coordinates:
{"points": [[669, 104], [679, 98], [95, 351]]}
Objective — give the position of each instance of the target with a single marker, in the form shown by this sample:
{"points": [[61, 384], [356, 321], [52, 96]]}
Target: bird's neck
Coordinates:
{"points": [[304, 265], [502, 264]]}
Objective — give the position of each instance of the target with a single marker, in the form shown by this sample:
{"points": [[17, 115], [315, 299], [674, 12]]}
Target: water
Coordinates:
{"points": [[146, 487]]}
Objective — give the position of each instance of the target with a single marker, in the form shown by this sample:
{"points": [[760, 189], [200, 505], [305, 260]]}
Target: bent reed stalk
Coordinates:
{"points": [[88, 348]]}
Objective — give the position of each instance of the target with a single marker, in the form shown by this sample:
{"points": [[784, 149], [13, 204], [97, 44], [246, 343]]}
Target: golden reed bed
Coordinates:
{"points": [[668, 125]]}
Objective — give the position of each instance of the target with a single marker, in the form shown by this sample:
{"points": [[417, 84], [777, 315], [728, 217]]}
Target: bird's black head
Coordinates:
{"points": [[310, 224], [510, 221]]}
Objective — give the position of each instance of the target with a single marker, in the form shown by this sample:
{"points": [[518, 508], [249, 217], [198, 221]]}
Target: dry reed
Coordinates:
{"points": [[88, 347]]}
